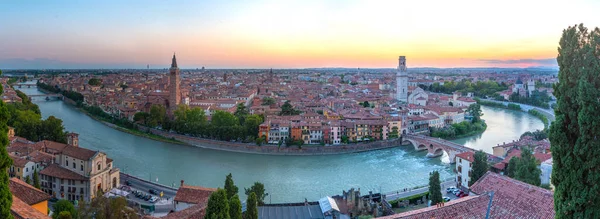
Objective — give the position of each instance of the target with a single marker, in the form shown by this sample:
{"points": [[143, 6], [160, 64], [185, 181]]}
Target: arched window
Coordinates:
{"points": [[99, 165]]}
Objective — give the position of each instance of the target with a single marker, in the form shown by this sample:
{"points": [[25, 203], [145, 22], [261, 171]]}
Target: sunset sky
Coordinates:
{"points": [[287, 34]]}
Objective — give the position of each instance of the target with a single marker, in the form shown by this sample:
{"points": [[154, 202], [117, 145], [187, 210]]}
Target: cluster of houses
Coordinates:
{"points": [[66, 171]]}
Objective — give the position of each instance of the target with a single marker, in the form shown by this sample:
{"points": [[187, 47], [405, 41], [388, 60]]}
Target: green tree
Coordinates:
{"points": [[52, 129], [288, 110], [64, 205], [268, 101], [251, 207], [5, 162], [480, 166], [394, 133], [158, 113], [241, 112], [475, 111], [103, 207], [64, 215], [218, 206], [36, 179], [28, 180], [235, 207], [252, 123], [435, 189], [574, 134], [366, 104], [225, 126], [230, 187], [141, 117], [259, 190], [95, 82], [527, 168], [512, 167]]}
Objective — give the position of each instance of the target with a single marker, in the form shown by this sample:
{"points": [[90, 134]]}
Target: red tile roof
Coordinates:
{"points": [[79, 153], [18, 162], [195, 212], [55, 170], [467, 156], [21, 210], [26, 192], [515, 199], [467, 207], [193, 194]]}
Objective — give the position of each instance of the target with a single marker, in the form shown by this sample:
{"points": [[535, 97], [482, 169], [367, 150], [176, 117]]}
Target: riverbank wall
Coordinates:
{"points": [[276, 150], [525, 108]]}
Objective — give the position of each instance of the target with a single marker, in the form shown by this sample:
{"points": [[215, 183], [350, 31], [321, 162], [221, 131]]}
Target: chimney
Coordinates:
{"points": [[73, 139], [181, 182]]}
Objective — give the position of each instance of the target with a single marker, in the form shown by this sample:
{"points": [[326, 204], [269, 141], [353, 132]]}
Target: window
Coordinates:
{"points": [[81, 167], [26, 169], [74, 165], [99, 165], [18, 169], [66, 163]]}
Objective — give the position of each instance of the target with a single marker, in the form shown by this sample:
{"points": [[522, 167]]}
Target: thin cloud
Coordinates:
{"points": [[542, 62]]}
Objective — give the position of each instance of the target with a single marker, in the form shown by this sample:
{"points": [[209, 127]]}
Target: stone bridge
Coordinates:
{"points": [[435, 146], [48, 96], [21, 85]]}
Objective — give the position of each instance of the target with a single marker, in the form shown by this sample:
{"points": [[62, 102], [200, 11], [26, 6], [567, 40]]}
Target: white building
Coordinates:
{"points": [[546, 168], [464, 162], [402, 81], [418, 97]]}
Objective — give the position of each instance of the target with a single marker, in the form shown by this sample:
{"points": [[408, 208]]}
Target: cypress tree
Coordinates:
{"points": [[36, 179], [435, 189], [512, 167], [218, 206], [230, 187], [235, 207], [5, 163], [574, 135], [480, 166], [252, 207]]}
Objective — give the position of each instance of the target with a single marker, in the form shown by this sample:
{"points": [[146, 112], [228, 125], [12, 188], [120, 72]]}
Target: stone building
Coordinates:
{"points": [[78, 173], [402, 80]]}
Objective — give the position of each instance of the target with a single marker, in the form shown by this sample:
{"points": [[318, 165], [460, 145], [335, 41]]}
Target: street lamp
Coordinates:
{"points": [[269, 197]]}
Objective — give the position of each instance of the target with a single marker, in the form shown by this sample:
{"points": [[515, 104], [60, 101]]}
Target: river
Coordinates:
{"points": [[286, 178]]}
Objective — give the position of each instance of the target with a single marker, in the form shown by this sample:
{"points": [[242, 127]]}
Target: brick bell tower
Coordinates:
{"points": [[174, 93]]}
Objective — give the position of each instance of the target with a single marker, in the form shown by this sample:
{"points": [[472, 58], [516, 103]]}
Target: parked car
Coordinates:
{"points": [[153, 192], [446, 199], [153, 199], [451, 189], [127, 183], [463, 195]]}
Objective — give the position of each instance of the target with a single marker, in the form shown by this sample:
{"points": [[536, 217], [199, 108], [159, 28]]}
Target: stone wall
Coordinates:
{"points": [[276, 150]]}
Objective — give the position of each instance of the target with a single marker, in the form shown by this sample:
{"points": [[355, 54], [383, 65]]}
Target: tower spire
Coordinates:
{"points": [[174, 62]]}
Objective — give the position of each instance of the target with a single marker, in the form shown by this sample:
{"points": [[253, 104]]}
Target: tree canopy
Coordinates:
{"points": [[288, 110], [218, 205], [267, 101], [475, 111], [480, 166], [435, 189], [259, 190], [251, 207], [230, 187], [575, 132], [235, 207], [527, 168], [95, 82], [5, 162], [64, 206]]}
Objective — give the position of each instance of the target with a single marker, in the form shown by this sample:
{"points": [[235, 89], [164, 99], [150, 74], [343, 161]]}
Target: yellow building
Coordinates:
{"points": [[32, 196]]}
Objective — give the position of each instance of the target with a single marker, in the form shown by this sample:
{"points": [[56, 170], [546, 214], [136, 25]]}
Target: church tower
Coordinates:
{"points": [[402, 80], [174, 93]]}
